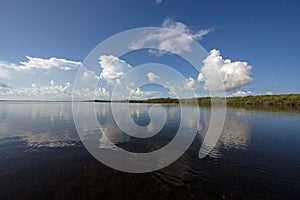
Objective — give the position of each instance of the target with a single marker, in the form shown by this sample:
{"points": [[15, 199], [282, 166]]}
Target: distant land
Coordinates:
{"points": [[259, 100]]}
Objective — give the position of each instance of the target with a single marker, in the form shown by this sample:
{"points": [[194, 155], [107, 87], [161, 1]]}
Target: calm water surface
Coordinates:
{"points": [[42, 157]]}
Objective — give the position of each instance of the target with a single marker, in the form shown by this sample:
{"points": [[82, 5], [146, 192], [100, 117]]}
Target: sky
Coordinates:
{"points": [[253, 46]]}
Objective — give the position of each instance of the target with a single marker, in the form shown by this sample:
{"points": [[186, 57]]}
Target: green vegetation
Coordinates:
{"points": [[270, 100], [282, 99], [261, 100], [156, 100]]}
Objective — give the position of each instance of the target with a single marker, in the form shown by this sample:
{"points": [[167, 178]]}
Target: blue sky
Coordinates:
{"points": [[263, 34]]}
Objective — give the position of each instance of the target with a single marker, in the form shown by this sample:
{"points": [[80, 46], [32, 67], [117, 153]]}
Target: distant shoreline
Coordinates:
{"points": [[292, 100], [260, 100]]}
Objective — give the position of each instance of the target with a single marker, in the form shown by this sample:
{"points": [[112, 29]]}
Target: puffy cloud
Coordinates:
{"points": [[52, 82], [112, 67], [87, 79], [176, 42], [38, 70], [201, 77], [268, 93], [4, 70], [191, 84], [248, 93], [51, 92], [51, 79], [101, 92], [234, 74], [242, 93], [141, 94], [182, 88], [30, 79], [131, 91], [83, 94], [153, 77]]}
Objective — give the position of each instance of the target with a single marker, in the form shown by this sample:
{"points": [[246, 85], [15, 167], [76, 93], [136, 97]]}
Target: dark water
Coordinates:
{"points": [[42, 157]]}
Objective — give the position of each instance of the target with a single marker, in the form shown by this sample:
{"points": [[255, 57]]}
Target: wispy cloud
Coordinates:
{"points": [[184, 29], [4, 86], [157, 2], [32, 65], [176, 41]]}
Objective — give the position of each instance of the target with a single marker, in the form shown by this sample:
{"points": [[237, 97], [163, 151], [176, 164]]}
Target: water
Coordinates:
{"points": [[42, 157]]}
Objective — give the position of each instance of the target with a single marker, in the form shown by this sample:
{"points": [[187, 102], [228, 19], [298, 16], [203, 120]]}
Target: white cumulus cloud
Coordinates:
{"points": [[153, 77], [268, 93], [141, 94], [234, 74], [242, 93], [113, 68], [52, 79], [248, 93], [51, 92], [191, 84], [38, 78]]}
